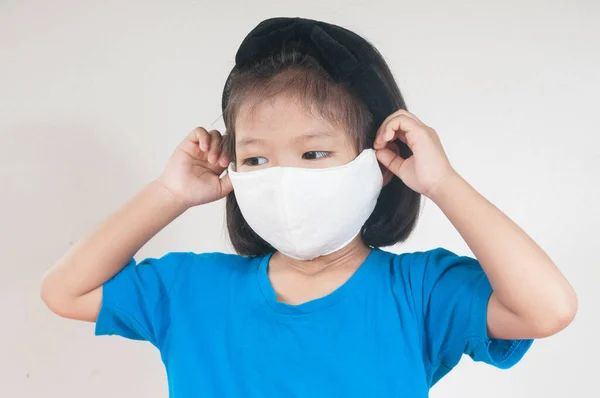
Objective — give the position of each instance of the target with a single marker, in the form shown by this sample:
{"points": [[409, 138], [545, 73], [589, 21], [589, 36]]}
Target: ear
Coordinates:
{"points": [[387, 174]]}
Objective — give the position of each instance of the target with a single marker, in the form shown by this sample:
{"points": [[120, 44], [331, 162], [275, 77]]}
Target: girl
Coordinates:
{"points": [[322, 165]]}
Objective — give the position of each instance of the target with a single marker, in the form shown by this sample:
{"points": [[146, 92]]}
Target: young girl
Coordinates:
{"points": [[322, 165]]}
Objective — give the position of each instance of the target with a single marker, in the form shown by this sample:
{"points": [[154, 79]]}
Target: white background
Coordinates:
{"points": [[94, 96]]}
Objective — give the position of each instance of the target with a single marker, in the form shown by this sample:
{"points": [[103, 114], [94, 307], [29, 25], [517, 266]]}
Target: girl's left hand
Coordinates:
{"points": [[428, 167]]}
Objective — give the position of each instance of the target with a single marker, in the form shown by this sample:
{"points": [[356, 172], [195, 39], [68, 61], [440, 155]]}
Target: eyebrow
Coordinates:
{"points": [[248, 141], [315, 134], [311, 135]]}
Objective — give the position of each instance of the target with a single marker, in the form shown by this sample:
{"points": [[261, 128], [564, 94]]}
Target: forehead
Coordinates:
{"points": [[282, 115]]}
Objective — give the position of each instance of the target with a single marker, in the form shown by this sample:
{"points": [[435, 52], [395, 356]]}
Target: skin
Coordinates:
{"points": [[531, 298]]}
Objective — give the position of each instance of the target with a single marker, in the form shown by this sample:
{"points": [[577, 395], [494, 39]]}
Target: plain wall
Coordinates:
{"points": [[95, 95]]}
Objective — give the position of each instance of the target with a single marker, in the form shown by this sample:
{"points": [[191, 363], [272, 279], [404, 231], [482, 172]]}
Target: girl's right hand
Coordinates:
{"points": [[192, 173]]}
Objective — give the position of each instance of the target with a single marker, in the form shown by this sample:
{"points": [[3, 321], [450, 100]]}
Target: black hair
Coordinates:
{"points": [[294, 73]]}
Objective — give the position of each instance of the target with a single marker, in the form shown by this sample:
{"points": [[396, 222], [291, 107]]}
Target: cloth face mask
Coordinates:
{"points": [[309, 212]]}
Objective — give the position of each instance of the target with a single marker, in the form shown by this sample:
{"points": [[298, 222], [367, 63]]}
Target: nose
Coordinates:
{"points": [[284, 157]]}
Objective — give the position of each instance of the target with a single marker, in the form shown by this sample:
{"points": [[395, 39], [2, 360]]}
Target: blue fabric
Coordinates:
{"points": [[398, 325]]}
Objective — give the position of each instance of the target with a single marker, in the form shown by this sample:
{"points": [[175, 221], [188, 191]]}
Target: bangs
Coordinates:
{"points": [[312, 88]]}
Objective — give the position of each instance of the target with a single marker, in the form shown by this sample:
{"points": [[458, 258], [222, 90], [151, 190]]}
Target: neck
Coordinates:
{"points": [[353, 254]]}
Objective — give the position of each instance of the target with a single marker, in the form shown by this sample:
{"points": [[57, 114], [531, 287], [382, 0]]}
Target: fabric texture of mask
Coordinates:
{"points": [[309, 212]]}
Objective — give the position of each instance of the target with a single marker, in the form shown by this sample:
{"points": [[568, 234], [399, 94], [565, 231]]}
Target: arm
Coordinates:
{"points": [[531, 298], [72, 288]]}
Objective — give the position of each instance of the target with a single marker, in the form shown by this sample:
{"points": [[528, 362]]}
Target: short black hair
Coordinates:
{"points": [[294, 73]]}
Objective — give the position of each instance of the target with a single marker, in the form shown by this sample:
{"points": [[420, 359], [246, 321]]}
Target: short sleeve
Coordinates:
{"points": [[131, 300], [454, 295]]}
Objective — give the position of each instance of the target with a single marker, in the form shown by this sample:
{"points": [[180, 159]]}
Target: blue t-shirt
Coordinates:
{"points": [[393, 329]]}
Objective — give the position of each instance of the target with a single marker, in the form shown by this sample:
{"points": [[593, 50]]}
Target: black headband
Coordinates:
{"points": [[346, 56]]}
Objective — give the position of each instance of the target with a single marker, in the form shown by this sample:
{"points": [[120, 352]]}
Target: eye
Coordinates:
{"points": [[311, 155], [255, 161]]}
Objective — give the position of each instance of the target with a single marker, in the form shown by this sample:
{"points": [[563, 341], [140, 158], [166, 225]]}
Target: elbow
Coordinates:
{"points": [[47, 295], [52, 298], [559, 315]]}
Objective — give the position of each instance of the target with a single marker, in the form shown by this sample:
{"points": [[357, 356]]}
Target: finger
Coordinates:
{"points": [[224, 160], [407, 113], [226, 186], [390, 160], [400, 112], [199, 136], [382, 139], [214, 151], [396, 127]]}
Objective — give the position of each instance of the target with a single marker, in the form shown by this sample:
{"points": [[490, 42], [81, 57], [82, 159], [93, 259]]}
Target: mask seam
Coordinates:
{"points": [[307, 169], [283, 209]]}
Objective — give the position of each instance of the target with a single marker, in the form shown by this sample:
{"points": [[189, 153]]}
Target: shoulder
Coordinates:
{"points": [[218, 262], [419, 272], [214, 268], [417, 262], [207, 261], [175, 268]]}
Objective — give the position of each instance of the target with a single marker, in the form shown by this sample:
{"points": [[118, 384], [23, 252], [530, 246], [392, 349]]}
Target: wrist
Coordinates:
{"points": [[448, 183], [171, 200]]}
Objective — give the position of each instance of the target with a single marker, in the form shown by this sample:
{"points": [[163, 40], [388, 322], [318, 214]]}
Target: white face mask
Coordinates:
{"points": [[308, 212]]}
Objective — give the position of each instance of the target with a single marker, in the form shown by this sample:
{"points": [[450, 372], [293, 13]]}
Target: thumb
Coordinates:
{"points": [[225, 185], [390, 160]]}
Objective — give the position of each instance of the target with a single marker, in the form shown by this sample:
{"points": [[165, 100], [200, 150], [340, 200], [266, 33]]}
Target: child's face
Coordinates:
{"points": [[282, 133]]}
